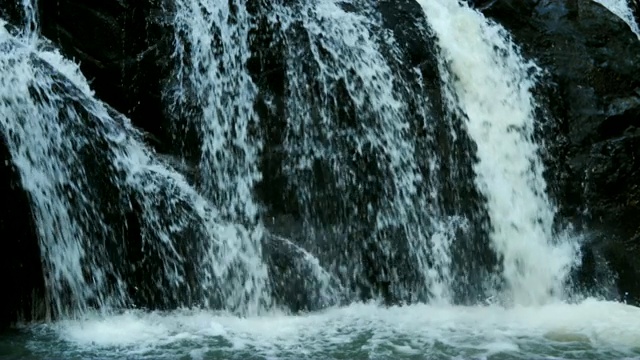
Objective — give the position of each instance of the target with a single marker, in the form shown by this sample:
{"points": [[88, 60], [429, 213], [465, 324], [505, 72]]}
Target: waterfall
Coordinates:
{"points": [[622, 9], [31, 23], [373, 173], [51, 172], [214, 94], [100, 197], [488, 83], [350, 153]]}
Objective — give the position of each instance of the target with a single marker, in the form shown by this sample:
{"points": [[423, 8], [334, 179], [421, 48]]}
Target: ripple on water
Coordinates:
{"points": [[589, 330]]}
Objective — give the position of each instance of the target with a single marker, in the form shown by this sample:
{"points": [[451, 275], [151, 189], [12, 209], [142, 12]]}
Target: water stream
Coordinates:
{"points": [[142, 263]]}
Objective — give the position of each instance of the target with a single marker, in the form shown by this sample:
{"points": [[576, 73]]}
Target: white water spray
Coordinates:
{"points": [[52, 124], [212, 48], [367, 159], [622, 9], [49, 166], [487, 82]]}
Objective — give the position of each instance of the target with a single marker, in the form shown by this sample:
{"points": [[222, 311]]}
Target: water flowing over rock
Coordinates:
{"points": [[591, 61], [252, 155], [508, 170]]}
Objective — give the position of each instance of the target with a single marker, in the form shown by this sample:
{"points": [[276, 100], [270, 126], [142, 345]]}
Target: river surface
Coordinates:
{"points": [[590, 330]]}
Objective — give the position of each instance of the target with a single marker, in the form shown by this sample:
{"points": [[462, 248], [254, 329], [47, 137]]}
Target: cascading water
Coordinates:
{"points": [[487, 82], [51, 172], [350, 157], [366, 154], [30, 11], [622, 8], [368, 159], [87, 173], [331, 152], [211, 53]]}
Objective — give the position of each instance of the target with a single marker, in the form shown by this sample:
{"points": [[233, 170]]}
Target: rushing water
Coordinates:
{"points": [[211, 50], [592, 330], [622, 8], [356, 170], [489, 84]]}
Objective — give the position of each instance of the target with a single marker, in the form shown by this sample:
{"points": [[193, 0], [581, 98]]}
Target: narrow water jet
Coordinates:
{"points": [[488, 83]]}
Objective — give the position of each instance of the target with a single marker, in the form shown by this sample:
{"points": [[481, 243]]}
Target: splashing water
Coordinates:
{"points": [[355, 173], [591, 330], [487, 82], [211, 50], [622, 9]]}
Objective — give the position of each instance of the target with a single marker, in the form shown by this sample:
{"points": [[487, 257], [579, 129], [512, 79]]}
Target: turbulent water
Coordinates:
{"points": [[591, 330], [480, 64], [622, 9], [369, 194]]}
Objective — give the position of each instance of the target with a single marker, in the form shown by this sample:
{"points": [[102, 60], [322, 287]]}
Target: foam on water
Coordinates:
{"points": [[592, 329], [623, 10]]}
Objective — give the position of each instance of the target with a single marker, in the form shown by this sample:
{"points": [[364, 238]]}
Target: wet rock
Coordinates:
{"points": [[122, 48], [298, 281], [590, 121], [21, 277]]}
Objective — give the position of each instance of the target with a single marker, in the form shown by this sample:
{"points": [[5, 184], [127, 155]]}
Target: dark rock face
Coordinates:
{"points": [[592, 85], [21, 274], [122, 49], [12, 11], [634, 5]]}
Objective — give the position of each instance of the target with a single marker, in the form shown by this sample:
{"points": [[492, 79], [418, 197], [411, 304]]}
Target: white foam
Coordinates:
{"points": [[599, 325], [621, 9], [488, 84]]}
